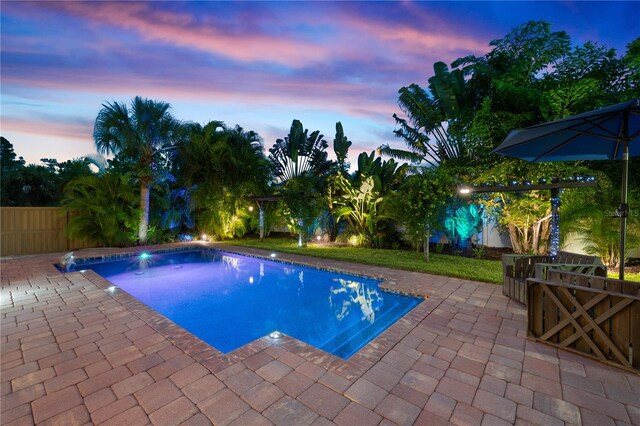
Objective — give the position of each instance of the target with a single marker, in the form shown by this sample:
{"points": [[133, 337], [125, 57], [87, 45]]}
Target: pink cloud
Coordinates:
{"points": [[183, 31], [55, 126], [299, 92]]}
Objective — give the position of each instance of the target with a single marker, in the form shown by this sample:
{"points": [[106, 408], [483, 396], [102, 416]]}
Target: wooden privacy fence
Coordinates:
{"points": [[595, 316], [32, 230]]}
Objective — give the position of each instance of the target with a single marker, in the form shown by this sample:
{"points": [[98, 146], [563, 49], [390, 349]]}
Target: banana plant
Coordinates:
{"points": [[359, 205]]}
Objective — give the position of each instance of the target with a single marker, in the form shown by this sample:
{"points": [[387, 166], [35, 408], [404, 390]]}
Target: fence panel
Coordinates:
{"points": [[33, 230], [595, 316]]}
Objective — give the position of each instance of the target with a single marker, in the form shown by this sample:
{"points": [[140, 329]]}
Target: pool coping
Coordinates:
{"points": [[216, 361]]}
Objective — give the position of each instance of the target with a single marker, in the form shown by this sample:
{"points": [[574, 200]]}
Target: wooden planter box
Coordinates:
{"points": [[517, 268], [594, 316]]}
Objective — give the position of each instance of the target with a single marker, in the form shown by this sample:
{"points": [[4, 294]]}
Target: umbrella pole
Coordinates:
{"points": [[624, 207]]}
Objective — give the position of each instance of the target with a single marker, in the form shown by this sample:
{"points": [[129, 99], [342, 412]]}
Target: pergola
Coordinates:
{"points": [[555, 186]]}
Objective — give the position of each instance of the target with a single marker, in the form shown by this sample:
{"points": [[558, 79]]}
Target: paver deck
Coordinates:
{"points": [[76, 351]]}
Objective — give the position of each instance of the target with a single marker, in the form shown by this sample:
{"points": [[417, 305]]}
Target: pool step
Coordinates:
{"points": [[355, 336]]}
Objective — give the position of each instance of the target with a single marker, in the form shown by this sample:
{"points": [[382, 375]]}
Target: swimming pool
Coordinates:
{"points": [[229, 300]]}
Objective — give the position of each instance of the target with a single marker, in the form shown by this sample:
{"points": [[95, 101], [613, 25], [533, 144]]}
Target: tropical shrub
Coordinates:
{"points": [[590, 213], [102, 209], [360, 205], [463, 222], [222, 166]]}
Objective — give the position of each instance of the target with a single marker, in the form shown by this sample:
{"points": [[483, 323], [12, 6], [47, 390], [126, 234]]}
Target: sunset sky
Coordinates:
{"points": [[256, 64]]}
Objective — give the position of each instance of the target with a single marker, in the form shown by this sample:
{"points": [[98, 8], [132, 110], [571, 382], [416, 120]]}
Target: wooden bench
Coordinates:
{"points": [[594, 316], [516, 268]]}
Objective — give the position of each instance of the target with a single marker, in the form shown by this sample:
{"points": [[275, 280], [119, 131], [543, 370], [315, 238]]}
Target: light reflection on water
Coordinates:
{"points": [[353, 293]]}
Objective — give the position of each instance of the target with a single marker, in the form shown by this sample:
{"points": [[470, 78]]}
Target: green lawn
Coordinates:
{"points": [[440, 264], [628, 276]]}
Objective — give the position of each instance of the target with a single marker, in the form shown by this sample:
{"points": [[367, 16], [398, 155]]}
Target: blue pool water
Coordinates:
{"points": [[229, 300]]}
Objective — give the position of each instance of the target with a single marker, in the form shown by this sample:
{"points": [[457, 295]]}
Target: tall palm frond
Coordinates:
{"points": [[430, 118], [299, 153]]}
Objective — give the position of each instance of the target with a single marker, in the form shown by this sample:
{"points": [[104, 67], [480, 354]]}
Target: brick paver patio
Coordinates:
{"points": [[75, 351]]}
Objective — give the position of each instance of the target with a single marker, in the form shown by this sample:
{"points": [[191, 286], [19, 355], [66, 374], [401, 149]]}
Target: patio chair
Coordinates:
{"points": [[516, 268]]}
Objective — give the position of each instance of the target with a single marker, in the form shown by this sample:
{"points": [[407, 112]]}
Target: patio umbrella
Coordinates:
{"points": [[610, 133]]}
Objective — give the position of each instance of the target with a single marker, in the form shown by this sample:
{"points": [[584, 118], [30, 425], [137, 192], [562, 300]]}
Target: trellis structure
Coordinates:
{"points": [[555, 186]]}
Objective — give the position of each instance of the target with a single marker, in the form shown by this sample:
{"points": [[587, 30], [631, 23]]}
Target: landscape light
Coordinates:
{"points": [[273, 255], [250, 208], [465, 190], [203, 237], [275, 335], [318, 238]]}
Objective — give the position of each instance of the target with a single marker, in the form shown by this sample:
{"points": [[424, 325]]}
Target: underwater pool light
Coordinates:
{"points": [[144, 255]]}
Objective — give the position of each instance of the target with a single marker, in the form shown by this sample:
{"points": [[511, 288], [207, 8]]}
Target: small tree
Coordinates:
{"points": [[527, 215], [303, 202], [420, 204], [299, 163]]}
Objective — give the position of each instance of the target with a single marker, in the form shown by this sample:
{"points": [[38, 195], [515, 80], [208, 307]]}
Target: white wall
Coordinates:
{"points": [[573, 244]]}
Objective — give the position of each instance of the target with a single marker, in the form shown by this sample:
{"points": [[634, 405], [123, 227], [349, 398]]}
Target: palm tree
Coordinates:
{"points": [[144, 134], [224, 166]]}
